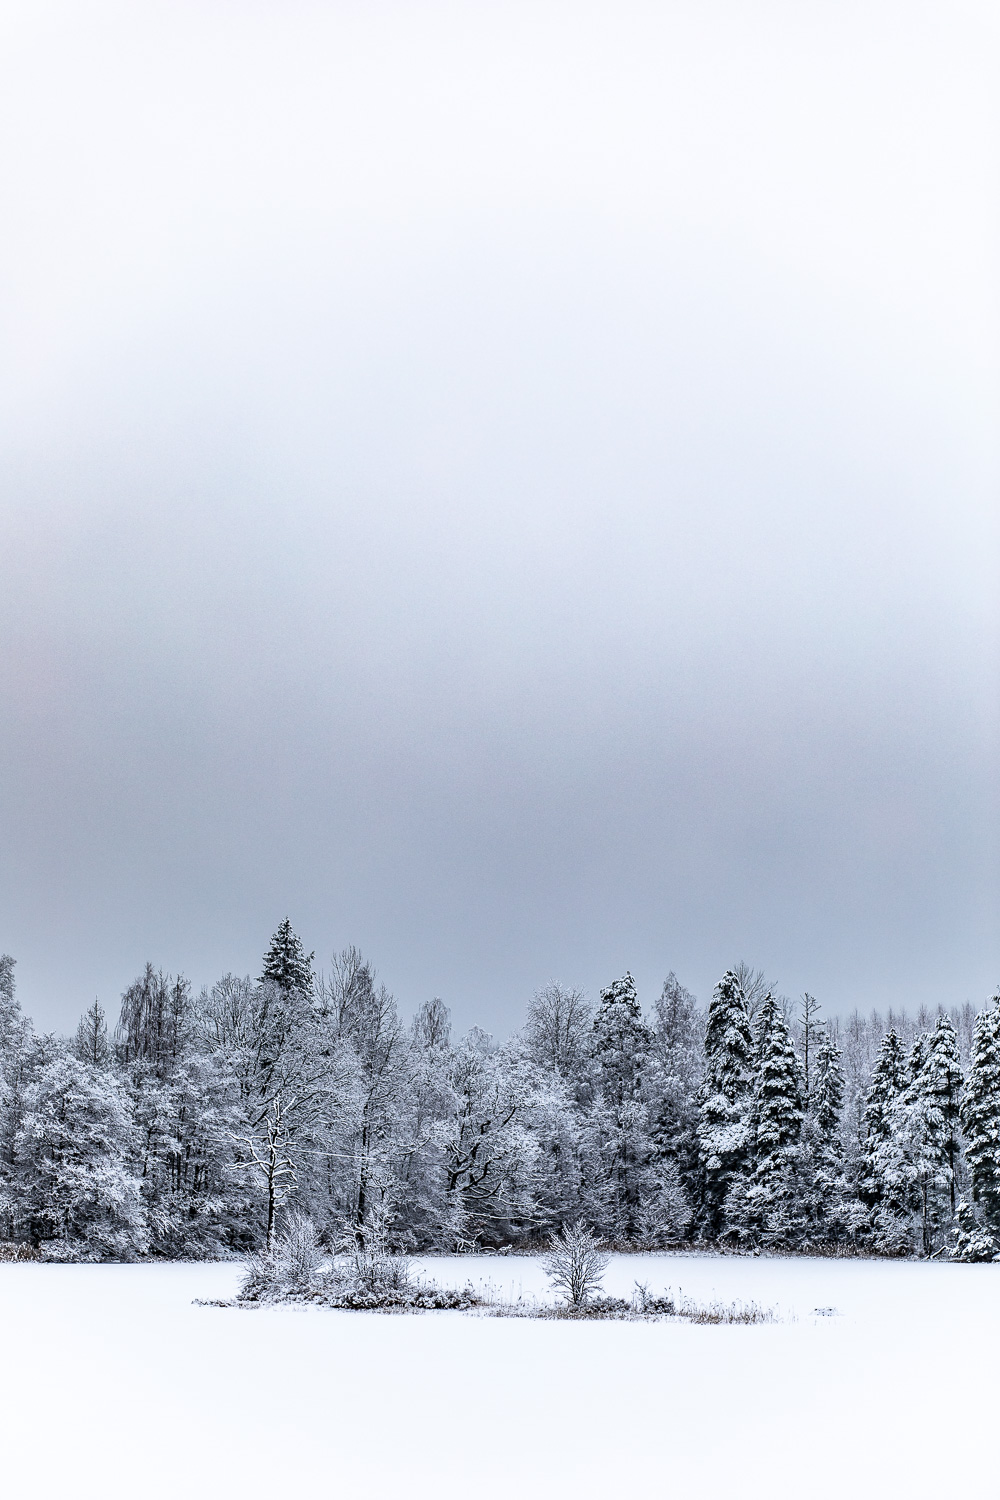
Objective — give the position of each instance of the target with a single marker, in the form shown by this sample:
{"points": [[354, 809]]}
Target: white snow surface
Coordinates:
{"points": [[114, 1383]]}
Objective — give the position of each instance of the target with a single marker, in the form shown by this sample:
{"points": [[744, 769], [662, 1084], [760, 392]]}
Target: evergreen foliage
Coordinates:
{"points": [[980, 1117], [222, 1123], [823, 1200], [887, 1178], [726, 1098], [622, 1043], [778, 1094], [286, 962], [827, 1094], [943, 1085]]}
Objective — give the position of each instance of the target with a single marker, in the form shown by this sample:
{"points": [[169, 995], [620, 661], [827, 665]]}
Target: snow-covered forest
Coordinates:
{"points": [[192, 1126]]}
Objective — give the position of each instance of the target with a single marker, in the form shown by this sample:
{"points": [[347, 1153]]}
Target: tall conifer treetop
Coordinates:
{"points": [[943, 1085], [889, 1079], [981, 1115], [621, 1039], [778, 1093], [827, 1097], [884, 1176], [725, 1097], [728, 1042], [286, 962]]}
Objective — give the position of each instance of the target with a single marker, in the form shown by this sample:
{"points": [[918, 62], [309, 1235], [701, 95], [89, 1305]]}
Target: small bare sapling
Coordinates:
{"points": [[575, 1264]]}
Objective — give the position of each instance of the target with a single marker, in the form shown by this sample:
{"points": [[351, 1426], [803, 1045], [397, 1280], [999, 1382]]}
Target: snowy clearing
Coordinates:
{"points": [[115, 1384]]}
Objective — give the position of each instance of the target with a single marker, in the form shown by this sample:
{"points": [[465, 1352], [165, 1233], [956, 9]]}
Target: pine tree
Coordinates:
{"points": [[886, 1178], [777, 1097], [621, 1047], [943, 1083], [920, 1138], [887, 1084], [980, 1114], [725, 1097], [828, 1093], [765, 1204], [823, 1151], [286, 962], [621, 1041]]}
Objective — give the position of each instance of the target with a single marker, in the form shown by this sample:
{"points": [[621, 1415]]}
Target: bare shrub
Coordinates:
{"points": [[11, 1250], [372, 1268], [289, 1269], [575, 1264]]}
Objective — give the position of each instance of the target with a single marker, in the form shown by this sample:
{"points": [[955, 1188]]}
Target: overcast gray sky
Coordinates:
{"points": [[513, 487]]}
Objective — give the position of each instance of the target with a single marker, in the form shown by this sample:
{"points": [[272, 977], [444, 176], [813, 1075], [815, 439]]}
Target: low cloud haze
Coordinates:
{"points": [[513, 488]]}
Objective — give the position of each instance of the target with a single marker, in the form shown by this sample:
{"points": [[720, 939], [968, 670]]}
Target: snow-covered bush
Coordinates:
{"points": [[370, 1266], [289, 1269], [575, 1264]]}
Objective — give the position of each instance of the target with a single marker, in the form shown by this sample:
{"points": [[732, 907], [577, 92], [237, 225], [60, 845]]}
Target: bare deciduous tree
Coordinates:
{"points": [[558, 1028], [575, 1264]]}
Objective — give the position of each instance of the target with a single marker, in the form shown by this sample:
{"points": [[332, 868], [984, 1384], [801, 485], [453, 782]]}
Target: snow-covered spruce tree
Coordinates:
{"points": [[827, 1214], [286, 962], [827, 1095], [778, 1094], [943, 1084], [621, 1041], [765, 1205], [725, 1099], [926, 1130], [980, 1115], [621, 1054], [919, 1137], [887, 1184]]}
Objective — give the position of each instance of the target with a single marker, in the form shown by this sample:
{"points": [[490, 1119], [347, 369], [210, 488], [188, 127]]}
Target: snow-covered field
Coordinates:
{"points": [[113, 1384]]}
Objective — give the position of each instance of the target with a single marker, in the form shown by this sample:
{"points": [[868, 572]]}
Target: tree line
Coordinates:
{"points": [[200, 1122]]}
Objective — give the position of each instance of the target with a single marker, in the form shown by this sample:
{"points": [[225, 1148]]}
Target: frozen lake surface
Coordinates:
{"points": [[114, 1384]]}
